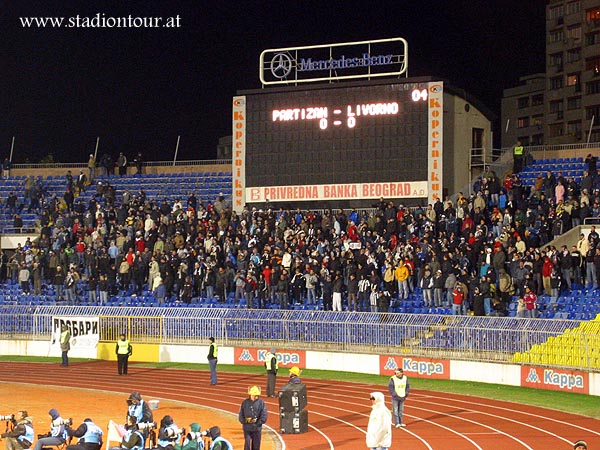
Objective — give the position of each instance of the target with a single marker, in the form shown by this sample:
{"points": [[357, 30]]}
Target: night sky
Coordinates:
{"points": [[138, 89]]}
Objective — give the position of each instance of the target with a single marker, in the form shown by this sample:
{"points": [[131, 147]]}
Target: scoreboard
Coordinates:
{"points": [[338, 142]]}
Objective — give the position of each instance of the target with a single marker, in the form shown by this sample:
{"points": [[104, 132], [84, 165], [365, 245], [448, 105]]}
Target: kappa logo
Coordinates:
{"points": [[390, 364], [246, 356], [533, 377]]}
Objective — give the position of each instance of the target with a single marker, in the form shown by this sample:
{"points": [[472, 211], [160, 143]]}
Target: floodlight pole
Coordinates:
{"points": [[12, 147], [96, 150], [590, 132], [176, 150]]}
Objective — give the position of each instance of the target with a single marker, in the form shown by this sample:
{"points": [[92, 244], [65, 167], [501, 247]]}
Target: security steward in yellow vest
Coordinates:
{"points": [[271, 366], [123, 350], [518, 157], [399, 388]]}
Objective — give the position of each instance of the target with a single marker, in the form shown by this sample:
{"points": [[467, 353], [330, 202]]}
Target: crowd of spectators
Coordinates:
{"points": [[472, 254]]}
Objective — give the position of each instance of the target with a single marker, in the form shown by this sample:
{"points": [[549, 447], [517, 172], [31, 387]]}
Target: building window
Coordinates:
{"points": [[574, 7], [537, 99], [537, 139], [523, 102], [556, 12], [592, 38], [524, 140], [593, 111], [573, 79], [593, 87], [593, 64], [522, 122], [556, 107], [555, 130], [574, 33], [573, 55], [556, 36], [538, 121], [556, 61], [574, 128], [592, 14], [574, 103], [556, 83]]}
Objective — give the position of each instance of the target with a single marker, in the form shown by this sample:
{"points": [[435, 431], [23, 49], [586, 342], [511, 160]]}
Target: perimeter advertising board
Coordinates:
{"points": [[245, 356], [415, 367], [555, 379]]}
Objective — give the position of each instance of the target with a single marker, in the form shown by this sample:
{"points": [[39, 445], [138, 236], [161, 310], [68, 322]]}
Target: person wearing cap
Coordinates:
{"points": [[21, 436], [271, 367], [580, 445], [295, 375], [252, 416], [399, 388], [218, 442], [57, 434], [123, 350], [213, 351], [193, 440], [379, 429], [89, 434]]}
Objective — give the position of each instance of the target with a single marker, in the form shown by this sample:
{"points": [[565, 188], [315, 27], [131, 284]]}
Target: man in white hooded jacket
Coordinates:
{"points": [[379, 430]]}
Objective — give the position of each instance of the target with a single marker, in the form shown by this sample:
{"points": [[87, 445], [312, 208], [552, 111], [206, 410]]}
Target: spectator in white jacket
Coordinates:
{"points": [[379, 430]]}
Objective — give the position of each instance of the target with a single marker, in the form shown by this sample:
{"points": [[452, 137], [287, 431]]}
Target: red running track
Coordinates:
{"points": [[339, 411]]}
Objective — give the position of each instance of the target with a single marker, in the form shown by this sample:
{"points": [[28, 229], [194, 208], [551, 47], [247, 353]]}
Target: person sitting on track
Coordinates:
{"points": [[133, 439], [57, 434], [89, 434], [218, 442], [168, 433], [194, 439], [21, 436]]}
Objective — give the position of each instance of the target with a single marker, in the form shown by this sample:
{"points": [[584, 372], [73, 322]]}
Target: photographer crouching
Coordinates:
{"points": [[89, 434], [21, 436], [57, 434], [168, 433], [194, 440], [134, 438]]}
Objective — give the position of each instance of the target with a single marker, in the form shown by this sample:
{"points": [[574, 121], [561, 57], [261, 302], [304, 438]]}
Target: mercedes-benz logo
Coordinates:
{"points": [[281, 65]]}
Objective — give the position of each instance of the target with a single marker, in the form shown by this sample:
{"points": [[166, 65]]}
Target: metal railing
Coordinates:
{"points": [[83, 165], [419, 335]]}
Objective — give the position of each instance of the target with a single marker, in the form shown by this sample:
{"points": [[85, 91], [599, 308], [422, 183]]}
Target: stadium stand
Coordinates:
{"points": [[212, 260]]}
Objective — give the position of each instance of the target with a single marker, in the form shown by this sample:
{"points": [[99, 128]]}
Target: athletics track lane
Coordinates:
{"points": [[338, 411]]}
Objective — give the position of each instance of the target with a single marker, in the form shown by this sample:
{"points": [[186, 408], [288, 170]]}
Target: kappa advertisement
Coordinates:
{"points": [[256, 357], [555, 379], [415, 367]]}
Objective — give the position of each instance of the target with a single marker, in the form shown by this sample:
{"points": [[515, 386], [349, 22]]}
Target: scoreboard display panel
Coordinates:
{"points": [[338, 142]]}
